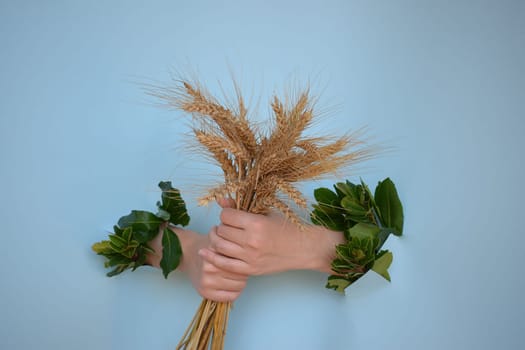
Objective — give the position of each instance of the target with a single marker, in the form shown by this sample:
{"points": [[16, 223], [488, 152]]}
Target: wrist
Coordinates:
{"points": [[323, 242]]}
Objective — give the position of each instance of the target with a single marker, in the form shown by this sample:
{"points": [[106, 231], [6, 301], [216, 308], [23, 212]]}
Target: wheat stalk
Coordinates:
{"points": [[257, 168]]}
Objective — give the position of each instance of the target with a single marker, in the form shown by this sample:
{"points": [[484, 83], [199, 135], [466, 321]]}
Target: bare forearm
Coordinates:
{"points": [[210, 281], [255, 244], [323, 242]]}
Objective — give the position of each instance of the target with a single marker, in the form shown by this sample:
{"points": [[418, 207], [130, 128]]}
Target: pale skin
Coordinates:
{"points": [[210, 281], [252, 244], [246, 244]]}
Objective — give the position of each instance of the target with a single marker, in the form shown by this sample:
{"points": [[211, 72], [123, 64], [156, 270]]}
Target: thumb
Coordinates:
{"points": [[226, 203]]}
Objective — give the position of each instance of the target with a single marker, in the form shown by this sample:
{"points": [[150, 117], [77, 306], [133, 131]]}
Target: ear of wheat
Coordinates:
{"points": [[261, 171]]}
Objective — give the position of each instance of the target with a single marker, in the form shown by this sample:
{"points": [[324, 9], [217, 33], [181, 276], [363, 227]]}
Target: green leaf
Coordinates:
{"points": [[382, 236], [354, 211], [163, 214], [343, 189], [354, 190], [117, 260], [128, 246], [367, 222], [145, 225], [127, 234], [173, 204], [352, 207], [334, 222], [117, 271], [130, 250], [117, 243], [362, 230], [102, 248], [325, 196], [141, 260], [337, 283], [171, 252], [354, 257], [117, 230], [369, 198], [382, 264], [389, 205], [147, 249], [329, 209]]}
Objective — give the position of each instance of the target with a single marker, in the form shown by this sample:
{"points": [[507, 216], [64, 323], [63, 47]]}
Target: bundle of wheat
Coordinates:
{"points": [[260, 170]]}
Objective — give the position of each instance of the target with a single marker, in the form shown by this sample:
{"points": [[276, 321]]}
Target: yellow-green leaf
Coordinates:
{"points": [[337, 283], [172, 205], [382, 264], [102, 247]]}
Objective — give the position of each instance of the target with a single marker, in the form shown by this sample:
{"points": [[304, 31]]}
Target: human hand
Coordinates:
{"points": [[210, 281], [254, 244]]}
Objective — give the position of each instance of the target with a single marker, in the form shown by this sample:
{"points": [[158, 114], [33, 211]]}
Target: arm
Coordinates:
{"points": [[253, 244], [210, 281]]}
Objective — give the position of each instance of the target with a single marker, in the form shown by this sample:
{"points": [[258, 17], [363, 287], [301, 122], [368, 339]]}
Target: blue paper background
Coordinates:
{"points": [[441, 83]]}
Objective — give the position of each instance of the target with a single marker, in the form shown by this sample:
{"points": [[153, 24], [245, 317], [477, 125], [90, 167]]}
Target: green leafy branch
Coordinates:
{"points": [[366, 221], [127, 247]]}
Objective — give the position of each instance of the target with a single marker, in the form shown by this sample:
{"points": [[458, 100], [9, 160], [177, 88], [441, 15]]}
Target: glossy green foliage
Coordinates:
{"points": [[172, 207], [127, 247], [366, 221]]}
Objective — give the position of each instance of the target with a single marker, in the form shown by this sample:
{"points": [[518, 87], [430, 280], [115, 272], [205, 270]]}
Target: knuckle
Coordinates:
{"points": [[208, 268], [219, 233], [224, 215], [219, 245], [206, 283]]}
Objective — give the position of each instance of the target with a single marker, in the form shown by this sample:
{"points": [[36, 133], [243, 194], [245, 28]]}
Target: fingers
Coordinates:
{"points": [[226, 203], [211, 269], [224, 246], [220, 295], [217, 284], [211, 288], [237, 218], [235, 266], [220, 282], [230, 234]]}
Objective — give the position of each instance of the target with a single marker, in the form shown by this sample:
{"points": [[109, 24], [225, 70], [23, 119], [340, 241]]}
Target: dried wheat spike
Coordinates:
{"points": [[257, 169], [216, 144], [221, 191], [236, 128], [287, 211], [293, 193], [246, 131]]}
